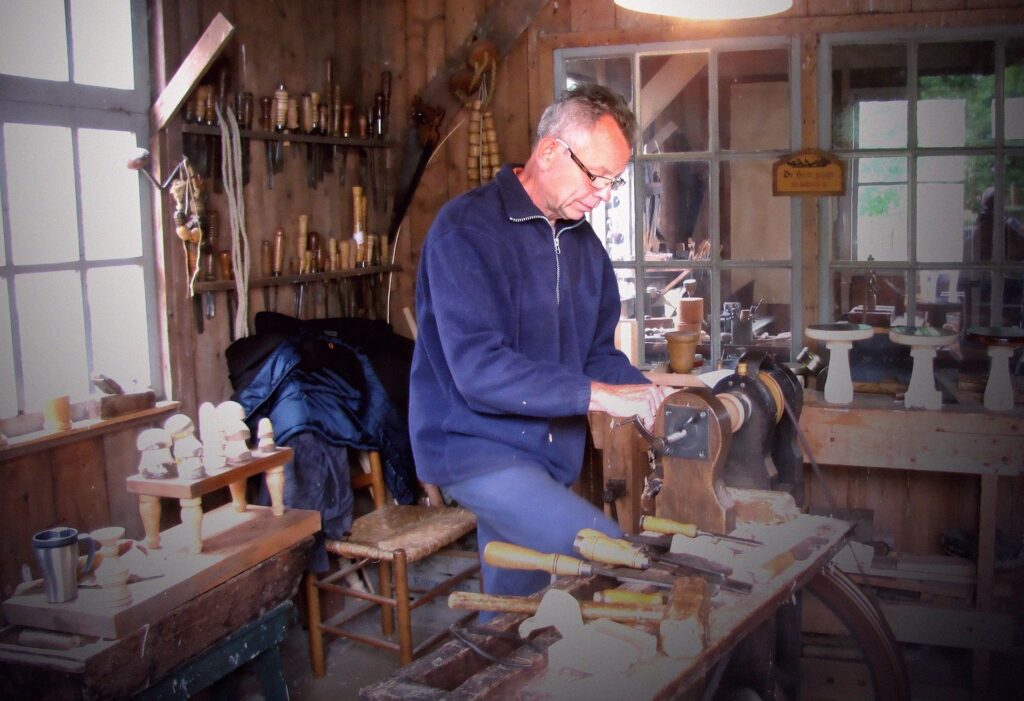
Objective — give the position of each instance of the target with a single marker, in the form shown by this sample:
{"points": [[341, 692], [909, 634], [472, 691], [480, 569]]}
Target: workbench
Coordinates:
{"points": [[455, 669], [179, 621]]}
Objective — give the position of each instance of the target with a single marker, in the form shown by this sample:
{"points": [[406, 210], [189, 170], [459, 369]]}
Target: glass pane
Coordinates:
{"points": [[753, 100], [674, 103], [52, 337], [678, 299], [41, 194], [8, 390], [120, 340], [872, 216], [1013, 90], [33, 39], [101, 37], [1014, 204], [615, 73], [755, 225], [951, 222], [755, 312], [627, 337], [111, 220], [869, 96], [676, 211], [883, 295], [613, 221], [952, 299], [956, 87], [1013, 301]]}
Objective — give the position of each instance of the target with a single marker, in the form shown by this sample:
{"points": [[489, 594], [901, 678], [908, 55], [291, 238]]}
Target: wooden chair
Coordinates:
{"points": [[391, 536]]}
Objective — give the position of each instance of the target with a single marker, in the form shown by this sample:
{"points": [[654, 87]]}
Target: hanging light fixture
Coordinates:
{"points": [[707, 9]]}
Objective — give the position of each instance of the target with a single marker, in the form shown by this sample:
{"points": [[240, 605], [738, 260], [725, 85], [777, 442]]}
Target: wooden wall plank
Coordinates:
{"points": [[27, 505], [588, 16], [80, 485], [460, 18]]}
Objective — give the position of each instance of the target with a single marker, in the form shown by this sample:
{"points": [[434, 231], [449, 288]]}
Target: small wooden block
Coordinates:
{"points": [[112, 405]]}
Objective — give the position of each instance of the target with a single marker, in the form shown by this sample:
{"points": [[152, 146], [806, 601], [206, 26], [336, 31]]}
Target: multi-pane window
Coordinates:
{"points": [[76, 259], [929, 231], [698, 218]]}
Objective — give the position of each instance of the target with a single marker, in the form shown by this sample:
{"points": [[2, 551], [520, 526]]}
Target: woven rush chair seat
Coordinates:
{"points": [[389, 537], [418, 530]]}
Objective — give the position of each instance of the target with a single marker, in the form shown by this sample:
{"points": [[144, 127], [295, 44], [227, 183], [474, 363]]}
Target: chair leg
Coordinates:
{"points": [[403, 608], [316, 638], [387, 612]]}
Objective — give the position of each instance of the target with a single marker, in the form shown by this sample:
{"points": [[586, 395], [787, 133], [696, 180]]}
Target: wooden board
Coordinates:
{"points": [[232, 542], [117, 669], [178, 488]]}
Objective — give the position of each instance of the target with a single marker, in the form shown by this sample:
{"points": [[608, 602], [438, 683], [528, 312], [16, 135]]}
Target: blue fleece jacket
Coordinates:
{"points": [[515, 318]]}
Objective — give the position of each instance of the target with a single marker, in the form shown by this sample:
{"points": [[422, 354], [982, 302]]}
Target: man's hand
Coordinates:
{"points": [[623, 401]]}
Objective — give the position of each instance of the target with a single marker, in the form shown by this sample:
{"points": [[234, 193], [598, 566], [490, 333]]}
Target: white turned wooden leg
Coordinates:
{"points": [[921, 394], [149, 510], [839, 385], [192, 521], [999, 389], [238, 495], [275, 485]]}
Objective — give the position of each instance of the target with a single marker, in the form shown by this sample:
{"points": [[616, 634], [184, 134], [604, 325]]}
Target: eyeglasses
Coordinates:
{"points": [[598, 181]]}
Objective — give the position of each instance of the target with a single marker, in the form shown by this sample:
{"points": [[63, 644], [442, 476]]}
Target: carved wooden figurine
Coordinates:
{"points": [[187, 450], [212, 438], [155, 461], [265, 437], [112, 574]]}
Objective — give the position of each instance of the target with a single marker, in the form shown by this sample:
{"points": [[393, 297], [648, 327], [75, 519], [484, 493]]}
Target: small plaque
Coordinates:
{"points": [[808, 172]]}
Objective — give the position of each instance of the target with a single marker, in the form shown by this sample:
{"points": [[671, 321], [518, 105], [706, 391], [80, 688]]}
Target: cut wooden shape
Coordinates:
{"points": [[839, 338]]}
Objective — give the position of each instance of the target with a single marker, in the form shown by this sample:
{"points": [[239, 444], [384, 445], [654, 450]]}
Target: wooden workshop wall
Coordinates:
{"points": [[413, 39]]}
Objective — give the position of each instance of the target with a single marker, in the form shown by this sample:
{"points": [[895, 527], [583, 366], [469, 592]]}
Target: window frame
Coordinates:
{"points": [[78, 106], [714, 156], [911, 268]]}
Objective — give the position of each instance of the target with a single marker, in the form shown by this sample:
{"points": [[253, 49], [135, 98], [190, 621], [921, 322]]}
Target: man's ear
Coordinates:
{"points": [[547, 149]]}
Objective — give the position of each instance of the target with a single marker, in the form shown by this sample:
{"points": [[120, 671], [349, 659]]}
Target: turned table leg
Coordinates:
{"points": [[238, 495], [275, 485], [192, 521], [149, 510]]}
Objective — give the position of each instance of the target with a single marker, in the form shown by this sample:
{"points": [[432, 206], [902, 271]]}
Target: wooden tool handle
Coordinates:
{"points": [[473, 601], [278, 250], [595, 545], [516, 557], [627, 596], [224, 257], [667, 525], [266, 258]]}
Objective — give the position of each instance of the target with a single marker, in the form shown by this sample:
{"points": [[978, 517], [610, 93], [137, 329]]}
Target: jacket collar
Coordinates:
{"points": [[518, 205]]}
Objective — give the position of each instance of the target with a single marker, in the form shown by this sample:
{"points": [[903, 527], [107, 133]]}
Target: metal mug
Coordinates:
{"points": [[57, 553]]}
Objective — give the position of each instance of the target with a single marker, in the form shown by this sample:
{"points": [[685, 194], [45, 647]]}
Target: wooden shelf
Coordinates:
{"points": [[291, 137], [221, 285], [178, 488]]}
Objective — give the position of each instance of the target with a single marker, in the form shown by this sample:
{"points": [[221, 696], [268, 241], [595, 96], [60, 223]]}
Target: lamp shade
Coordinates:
{"points": [[707, 9]]}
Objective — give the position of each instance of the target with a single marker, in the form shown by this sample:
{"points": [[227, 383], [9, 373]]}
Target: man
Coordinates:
{"points": [[516, 304]]}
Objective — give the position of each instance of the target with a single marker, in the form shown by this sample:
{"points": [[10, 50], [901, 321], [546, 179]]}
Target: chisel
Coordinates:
{"points": [[266, 105], [278, 259], [669, 527], [224, 257], [266, 269], [516, 557]]}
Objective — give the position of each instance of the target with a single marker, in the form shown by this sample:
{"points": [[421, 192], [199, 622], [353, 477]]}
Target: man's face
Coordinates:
{"points": [[604, 152]]}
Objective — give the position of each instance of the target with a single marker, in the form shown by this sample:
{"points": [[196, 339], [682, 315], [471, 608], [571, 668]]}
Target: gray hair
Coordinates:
{"points": [[580, 107]]}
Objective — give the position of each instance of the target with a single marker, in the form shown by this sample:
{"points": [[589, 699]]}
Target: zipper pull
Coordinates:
{"points": [[558, 247]]}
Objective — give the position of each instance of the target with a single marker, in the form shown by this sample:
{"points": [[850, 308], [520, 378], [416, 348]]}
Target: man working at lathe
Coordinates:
{"points": [[517, 304]]}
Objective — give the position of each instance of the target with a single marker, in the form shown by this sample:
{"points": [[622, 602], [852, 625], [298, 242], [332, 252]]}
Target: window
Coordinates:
{"points": [[698, 207], [932, 130], [76, 259]]}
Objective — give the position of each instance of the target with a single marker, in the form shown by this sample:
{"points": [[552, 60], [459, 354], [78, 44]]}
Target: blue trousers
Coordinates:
{"points": [[525, 505]]}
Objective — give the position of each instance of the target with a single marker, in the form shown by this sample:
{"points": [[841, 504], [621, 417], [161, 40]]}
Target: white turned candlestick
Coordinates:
{"points": [[999, 389]]}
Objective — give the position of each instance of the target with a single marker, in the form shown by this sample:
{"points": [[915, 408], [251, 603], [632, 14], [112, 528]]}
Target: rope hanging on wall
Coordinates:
{"points": [[231, 173]]}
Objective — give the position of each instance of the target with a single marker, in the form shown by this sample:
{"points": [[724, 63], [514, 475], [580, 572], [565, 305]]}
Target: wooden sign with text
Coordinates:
{"points": [[808, 172]]}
